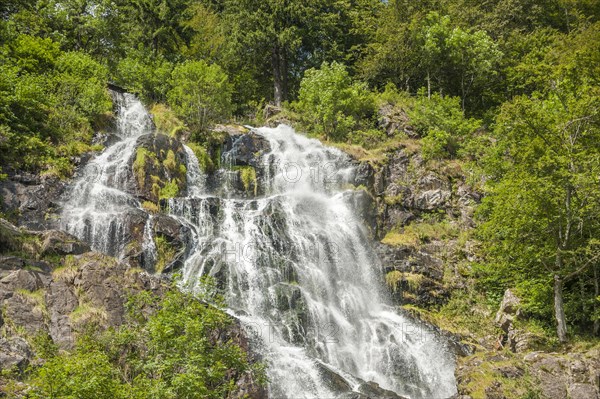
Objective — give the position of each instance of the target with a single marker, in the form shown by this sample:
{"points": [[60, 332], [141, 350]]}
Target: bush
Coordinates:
{"points": [[170, 348], [200, 94], [442, 124], [331, 104]]}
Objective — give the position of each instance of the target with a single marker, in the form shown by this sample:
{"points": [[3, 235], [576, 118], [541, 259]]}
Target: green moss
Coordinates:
{"points": [[165, 253], [170, 163], [248, 177], [142, 156], [169, 190], [204, 160], [150, 206]]}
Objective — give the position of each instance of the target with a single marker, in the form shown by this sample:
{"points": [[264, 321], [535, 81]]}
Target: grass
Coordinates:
{"points": [[418, 233], [395, 277], [165, 253], [68, 271], [35, 299], [86, 313]]}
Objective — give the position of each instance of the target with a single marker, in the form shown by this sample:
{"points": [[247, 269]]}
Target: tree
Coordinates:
{"points": [[200, 94], [295, 35], [543, 214], [331, 103]]}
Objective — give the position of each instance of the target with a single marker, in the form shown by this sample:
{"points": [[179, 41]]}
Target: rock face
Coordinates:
{"points": [[242, 173], [159, 167], [418, 209], [31, 201]]}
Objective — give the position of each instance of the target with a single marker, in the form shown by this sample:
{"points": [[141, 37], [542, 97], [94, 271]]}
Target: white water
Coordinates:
{"points": [[296, 264], [99, 199], [302, 244]]}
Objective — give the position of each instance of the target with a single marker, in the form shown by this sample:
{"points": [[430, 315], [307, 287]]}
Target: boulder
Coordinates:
{"points": [[159, 167], [510, 309], [57, 242], [14, 352], [432, 199], [245, 150]]}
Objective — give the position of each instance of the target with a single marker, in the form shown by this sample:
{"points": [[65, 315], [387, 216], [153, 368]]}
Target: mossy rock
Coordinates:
{"points": [[159, 167]]}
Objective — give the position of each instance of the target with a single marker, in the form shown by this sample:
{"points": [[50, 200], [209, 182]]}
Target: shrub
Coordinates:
{"points": [[200, 94], [331, 104]]}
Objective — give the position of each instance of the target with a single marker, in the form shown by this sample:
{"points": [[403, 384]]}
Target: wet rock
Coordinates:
{"points": [[159, 167], [364, 175], [372, 389], [364, 207], [333, 380]]}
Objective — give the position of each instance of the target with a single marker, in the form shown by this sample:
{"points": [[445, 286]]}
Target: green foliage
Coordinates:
{"points": [[146, 74], [248, 177], [541, 213], [331, 104], [174, 347], [165, 253], [48, 100], [169, 190], [200, 94]]}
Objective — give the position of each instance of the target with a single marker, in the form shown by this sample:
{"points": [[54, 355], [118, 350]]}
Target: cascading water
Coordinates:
{"points": [[99, 198], [296, 263], [298, 268]]}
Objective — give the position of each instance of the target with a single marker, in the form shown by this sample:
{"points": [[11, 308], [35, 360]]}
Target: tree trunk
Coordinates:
{"points": [[559, 310], [279, 66], [428, 86], [596, 298]]}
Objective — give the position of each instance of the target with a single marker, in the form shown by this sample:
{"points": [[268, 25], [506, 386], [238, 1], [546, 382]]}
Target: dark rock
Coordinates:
{"points": [[372, 389], [364, 175], [9, 237], [61, 301], [333, 380], [245, 150], [158, 161], [14, 352], [32, 201], [364, 207], [56, 242]]}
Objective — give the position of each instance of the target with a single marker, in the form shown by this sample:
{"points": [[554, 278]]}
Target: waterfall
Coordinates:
{"points": [[295, 263], [299, 271], [100, 197]]}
